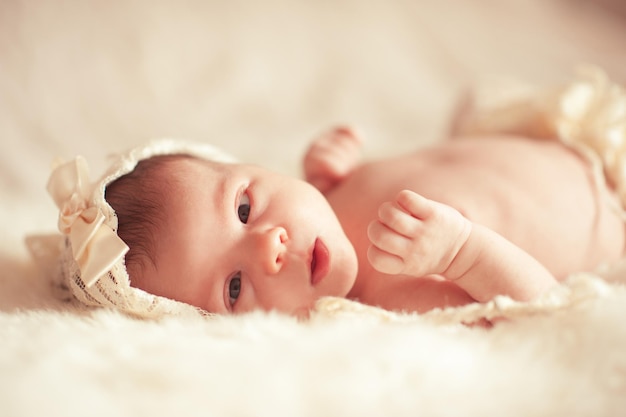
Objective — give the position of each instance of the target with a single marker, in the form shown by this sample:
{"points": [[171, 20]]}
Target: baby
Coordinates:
{"points": [[459, 222]]}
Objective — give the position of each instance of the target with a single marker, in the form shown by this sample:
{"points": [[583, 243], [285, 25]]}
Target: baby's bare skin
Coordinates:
{"points": [[524, 213]]}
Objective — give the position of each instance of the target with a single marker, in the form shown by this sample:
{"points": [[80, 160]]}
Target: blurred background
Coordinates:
{"points": [[261, 78]]}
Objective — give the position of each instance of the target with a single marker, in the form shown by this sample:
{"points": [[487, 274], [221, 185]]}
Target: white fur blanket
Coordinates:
{"points": [[259, 79]]}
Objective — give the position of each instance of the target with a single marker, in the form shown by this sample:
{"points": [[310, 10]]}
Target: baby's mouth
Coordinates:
{"points": [[320, 261]]}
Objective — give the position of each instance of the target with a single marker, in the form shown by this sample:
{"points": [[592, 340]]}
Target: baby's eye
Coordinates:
{"points": [[243, 210], [234, 288]]}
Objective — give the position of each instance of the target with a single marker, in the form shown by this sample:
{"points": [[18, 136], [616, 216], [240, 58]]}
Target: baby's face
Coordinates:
{"points": [[239, 237]]}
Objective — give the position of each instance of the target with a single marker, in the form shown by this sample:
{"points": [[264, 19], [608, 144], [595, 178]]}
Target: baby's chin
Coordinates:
{"points": [[348, 269]]}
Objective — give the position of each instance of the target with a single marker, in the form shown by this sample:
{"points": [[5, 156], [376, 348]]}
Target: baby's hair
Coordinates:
{"points": [[138, 203]]}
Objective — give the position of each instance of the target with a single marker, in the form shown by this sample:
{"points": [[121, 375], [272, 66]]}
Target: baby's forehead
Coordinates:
{"points": [[188, 164], [189, 174], [193, 171]]}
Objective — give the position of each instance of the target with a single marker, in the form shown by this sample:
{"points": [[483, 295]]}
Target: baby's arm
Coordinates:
{"points": [[418, 237], [331, 157]]}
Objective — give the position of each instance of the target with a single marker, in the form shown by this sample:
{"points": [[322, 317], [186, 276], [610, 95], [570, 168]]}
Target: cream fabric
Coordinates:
{"points": [[95, 246], [587, 114]]}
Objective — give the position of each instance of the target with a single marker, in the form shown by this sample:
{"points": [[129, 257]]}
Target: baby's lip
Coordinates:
{"points": [[320, 261]]}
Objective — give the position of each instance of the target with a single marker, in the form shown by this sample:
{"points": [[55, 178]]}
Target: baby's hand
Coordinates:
{"points": [[331, 157], [416, 236]]}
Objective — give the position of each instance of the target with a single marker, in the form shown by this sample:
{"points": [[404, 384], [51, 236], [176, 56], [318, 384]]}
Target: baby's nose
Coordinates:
{"points": [[270, 246]]}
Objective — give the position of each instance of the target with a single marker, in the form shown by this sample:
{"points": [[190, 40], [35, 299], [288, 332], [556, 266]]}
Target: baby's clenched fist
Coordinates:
{"points": [[416, 236]]}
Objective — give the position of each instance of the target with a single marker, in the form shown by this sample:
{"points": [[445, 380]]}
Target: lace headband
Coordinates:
{"points": [[92, 254]]}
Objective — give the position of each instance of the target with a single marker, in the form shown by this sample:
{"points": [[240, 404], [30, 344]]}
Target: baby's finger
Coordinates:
{"points": [[336, 138], [384, 262], [335, 165], [398, 219], [348, 138], [348, 132], [324, 162], [386, 239], [416, 205], [343, 148]]}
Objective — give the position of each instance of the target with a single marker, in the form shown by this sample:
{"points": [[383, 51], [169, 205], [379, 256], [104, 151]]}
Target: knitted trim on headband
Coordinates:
{"points": [[92, 255]]}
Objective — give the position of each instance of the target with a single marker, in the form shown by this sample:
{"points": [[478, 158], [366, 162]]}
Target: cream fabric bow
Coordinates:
{"points": [[95, 246]]}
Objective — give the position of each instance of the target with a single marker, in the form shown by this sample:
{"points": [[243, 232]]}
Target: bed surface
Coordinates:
{"points": [[259, 80]]}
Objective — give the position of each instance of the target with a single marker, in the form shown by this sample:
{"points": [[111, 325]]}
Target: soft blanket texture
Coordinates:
{"points": [[259, 79]]}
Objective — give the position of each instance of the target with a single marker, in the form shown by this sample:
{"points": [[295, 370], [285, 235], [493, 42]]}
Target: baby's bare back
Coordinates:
{"points": [[538, 194]]}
